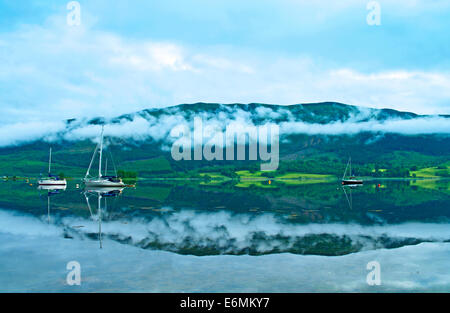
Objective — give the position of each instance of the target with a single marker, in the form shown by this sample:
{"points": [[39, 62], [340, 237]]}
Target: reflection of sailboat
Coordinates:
{"points": [[105, 191], [101, 193], [101, 180], [352, 179], [52, 180], [51, 191], [55, 188], [348, 195]]}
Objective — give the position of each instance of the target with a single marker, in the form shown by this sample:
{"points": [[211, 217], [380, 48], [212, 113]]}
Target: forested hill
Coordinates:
{"points": [[316, 138]]}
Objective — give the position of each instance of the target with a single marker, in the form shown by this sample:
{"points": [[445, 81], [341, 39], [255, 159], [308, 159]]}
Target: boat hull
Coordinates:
{"points": [[352, 182], [49, 182], [103, 183]]}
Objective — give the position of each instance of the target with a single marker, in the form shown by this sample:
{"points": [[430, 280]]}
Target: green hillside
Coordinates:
{"points": [[373, 155]]}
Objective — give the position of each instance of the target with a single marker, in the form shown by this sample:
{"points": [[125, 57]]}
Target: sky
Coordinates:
{"points": [[124, 57]]}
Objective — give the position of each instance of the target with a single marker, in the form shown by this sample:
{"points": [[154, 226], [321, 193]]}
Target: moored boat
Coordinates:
{"points": [[52, 180], [351, 180], [101, 180]]}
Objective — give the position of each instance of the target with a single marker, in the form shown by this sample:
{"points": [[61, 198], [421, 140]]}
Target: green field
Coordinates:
{"points": [[72, 163], [248, 174], [432, 172]]}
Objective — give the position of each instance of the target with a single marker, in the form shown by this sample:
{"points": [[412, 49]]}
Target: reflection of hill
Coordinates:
{"points": [[223, 232]]}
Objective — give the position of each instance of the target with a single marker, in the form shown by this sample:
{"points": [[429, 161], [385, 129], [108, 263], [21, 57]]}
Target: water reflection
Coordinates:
{"points": [[51, 191], [348, 195], [320, 219], [101, 193], [402, 224]]}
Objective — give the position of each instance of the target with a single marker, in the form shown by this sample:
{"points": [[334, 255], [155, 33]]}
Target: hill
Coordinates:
{"points": [[314, 138]]}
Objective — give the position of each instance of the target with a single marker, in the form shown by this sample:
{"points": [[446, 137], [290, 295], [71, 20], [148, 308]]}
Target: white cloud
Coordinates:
{"points": [[139, 129], [151, 57], [20, 132], [54, 72], [426, 125]]}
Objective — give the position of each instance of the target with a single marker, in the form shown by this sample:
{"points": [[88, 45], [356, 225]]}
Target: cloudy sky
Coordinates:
{"points": [[125, 57]]}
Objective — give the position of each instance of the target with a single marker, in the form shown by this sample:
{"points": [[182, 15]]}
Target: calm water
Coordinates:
{"points": [[191, 237]]}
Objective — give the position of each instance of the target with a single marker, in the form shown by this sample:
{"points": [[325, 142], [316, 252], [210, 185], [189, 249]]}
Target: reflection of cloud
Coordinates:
{"points": [[232, 233], [119, 267], [24, 225], [225, 232]]}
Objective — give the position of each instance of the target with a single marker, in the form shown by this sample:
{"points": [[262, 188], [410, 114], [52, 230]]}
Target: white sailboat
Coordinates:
{"points": [[52, 180], [101, 180], [352, 180]]}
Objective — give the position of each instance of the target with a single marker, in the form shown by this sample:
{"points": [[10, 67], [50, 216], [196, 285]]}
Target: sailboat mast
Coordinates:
{"points": [[92, 161], [350, 160], [345, 172], [101, 155]]}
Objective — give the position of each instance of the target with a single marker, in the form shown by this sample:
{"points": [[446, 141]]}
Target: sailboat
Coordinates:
{"points": [[351, 180], [52, 180], [101, 180]]}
